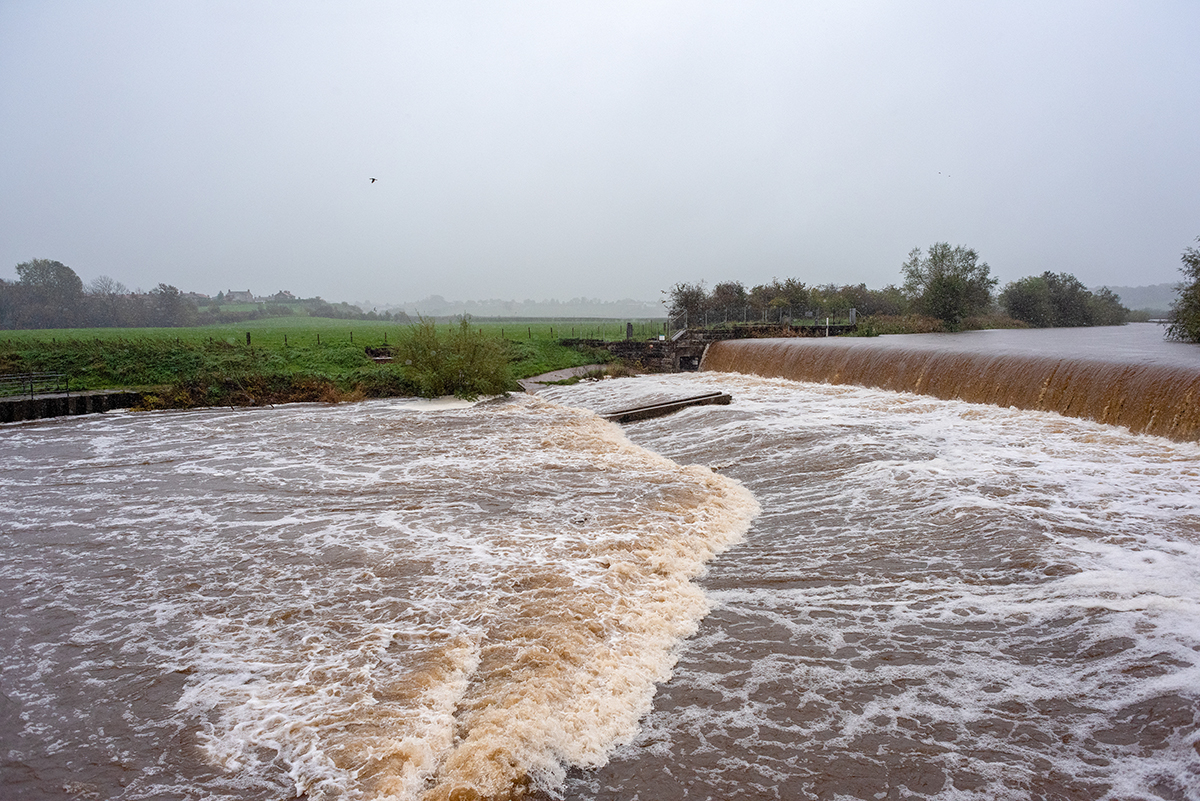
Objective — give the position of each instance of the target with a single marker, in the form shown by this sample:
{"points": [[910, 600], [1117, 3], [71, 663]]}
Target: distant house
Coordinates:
{"points": [[236, 296], [283, 296]]}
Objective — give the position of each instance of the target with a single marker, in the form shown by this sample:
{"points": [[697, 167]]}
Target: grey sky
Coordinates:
{"points": [[562, 149]]}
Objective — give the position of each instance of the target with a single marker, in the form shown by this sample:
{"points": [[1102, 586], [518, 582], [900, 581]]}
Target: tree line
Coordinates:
{"points": [[49, 294], [947, 284]]}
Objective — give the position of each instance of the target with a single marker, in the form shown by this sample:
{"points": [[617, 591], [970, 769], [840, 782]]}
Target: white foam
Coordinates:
{"points": [[992, 591], [345, 592]]}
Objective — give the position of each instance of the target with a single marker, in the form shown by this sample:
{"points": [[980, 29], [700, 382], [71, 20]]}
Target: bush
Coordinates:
{"points": [[463, 362]]}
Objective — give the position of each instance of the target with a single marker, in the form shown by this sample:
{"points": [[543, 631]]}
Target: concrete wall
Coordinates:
{"points": [[60, 405]]}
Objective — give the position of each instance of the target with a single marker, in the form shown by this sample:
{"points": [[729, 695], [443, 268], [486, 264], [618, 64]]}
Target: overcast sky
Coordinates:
{"points": [[599, 149]]}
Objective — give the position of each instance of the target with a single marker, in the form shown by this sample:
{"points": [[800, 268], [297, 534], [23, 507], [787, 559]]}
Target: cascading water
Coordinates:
{"points": [[1155, 390]]}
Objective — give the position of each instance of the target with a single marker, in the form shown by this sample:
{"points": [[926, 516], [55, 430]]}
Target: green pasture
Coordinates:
{"points": [[284, 352], [298, 331]]}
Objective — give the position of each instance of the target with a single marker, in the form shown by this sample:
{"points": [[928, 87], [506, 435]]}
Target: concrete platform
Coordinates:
{"points": [[61, 404], [667, 407]]}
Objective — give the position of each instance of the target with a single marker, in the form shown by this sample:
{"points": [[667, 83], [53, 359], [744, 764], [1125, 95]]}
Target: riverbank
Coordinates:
{"points": [[173, 368]]}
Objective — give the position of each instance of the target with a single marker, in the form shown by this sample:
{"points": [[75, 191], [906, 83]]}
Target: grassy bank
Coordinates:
{"points": [[268, 361]]}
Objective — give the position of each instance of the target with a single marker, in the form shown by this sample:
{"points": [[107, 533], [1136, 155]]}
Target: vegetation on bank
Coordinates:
{"points": [[1059, 300], [946, 288], [878, 325], [1185, 313], [268, 362]]}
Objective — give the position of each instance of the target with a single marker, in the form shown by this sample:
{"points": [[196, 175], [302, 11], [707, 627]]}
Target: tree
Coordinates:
{"points": [[105, 285], [1106, 308], [1069, 297], [887, 301], [949, 283], [1028, 300], [1185, 311], [727, 302], [169, 308], [1059, 300], [685, 304], [53, 293]]}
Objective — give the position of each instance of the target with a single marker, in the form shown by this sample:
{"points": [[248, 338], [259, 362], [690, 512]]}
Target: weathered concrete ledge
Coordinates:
{"points": [[667, 407], [58, 404]]}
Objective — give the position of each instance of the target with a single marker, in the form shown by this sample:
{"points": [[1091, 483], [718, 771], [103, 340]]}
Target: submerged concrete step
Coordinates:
{"points": [[664, 408]]}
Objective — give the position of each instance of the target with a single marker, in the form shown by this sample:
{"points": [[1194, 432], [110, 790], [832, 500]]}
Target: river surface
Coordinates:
{"points": [[817, 592], [1136, 343]]}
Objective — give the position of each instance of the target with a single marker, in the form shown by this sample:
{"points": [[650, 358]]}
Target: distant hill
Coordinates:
{"points": [[1157, 296]]}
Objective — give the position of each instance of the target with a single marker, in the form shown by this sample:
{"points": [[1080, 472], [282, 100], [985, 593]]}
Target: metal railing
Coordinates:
{"points": [[775, 315], [31, 384]]}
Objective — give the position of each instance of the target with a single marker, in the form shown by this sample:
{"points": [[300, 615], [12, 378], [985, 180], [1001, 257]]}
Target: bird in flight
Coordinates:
{"points": [[373, 180]]}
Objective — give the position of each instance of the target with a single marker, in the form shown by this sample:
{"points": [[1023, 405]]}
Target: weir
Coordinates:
{"points": [[1146, 394]]}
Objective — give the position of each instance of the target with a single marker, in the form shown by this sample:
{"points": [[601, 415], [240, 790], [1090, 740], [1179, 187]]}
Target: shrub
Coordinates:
{"points": [[463, 362]]}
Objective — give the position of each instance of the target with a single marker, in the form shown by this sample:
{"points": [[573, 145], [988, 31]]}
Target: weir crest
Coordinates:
{"points": [[1156, 397]]}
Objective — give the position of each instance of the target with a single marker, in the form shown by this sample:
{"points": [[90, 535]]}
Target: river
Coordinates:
{"points": [[819, 591]]}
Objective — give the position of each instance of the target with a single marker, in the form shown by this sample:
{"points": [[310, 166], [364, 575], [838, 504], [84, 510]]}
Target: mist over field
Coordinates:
{"points": [[397, 151]]}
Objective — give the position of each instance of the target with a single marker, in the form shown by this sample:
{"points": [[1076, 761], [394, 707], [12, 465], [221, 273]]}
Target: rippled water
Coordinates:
{"points": [[356, 601], [938, 600]]}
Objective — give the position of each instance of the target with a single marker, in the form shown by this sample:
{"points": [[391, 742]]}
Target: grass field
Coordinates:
{"points": [[277, 359], [271, 332]]}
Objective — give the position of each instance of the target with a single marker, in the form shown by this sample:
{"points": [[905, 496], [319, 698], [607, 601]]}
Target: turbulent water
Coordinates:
{"points": [[361, 601], [938, 600], [1121, 375]]}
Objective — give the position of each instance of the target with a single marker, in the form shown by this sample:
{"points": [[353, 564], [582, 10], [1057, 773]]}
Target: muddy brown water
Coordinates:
{"points": [[820, 591]]}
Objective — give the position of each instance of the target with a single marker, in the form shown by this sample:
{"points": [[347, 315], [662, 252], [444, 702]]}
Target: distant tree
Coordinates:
{"points": [[685, 304], [169, 308], [11, 302], [1069, 297], [1185, 312], [727, 302], [832, 300], [1059, 300], [50, 276], [799, 298], [1106, 308], [53, 294], [1028, 300], [104, 285], [779, 299], [854, 296], [949, 283], [887, 301]]}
